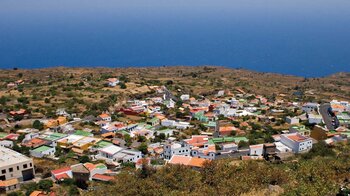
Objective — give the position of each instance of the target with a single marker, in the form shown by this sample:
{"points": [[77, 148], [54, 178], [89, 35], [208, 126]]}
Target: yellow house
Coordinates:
{"points": [[85, 143], [68, 142], [55, 122]]}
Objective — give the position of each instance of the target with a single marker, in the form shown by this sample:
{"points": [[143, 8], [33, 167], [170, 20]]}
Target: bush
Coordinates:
{"points": [[38, 125], [45, 185], [122, 85], [84, 159]]}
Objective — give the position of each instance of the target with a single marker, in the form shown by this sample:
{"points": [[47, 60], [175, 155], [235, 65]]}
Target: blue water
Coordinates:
{"points": [[306, 38]]}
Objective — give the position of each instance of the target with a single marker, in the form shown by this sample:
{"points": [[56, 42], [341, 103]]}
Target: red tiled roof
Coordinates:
{"points": [[89, 166], [62, 176], [12, 136], [61, 170], [196, 162], [296, 137], [187, 160], [104, 115], [102, 177], [112, 79], [197, 140]]}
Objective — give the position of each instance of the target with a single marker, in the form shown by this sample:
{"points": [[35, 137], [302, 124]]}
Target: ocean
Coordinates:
{"points": [[298, 37]]}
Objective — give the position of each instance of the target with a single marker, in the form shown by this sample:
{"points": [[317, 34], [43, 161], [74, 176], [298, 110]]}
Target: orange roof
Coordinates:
{"points": [[89, 166], [227, 128], [62, 176], [160, 116], [7, 183], [196, 162], [34, 142], [61, 170], [112, 79], [108, 134], [36, 193], [143, 161], [339, 106], [256, 146], [296, 137], [244, 124], [41, 193], [187, 160], [102, 177], [104, 115], [197, 140], [180, 159]]}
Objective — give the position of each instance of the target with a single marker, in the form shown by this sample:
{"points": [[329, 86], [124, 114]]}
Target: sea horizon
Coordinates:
{"points": [[308, 39], [155, 66]]}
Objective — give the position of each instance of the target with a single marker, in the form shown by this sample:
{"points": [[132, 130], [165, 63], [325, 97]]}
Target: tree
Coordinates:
{"points": [[84, 159], [18, 117], [58, 151], [122, 85], [20, 138], [233, 133], [162, 136], [45, 185], [29, 187], [143, 148], [243, 144], [47, 100], [141, 138], [38, 125], [127, 139]]}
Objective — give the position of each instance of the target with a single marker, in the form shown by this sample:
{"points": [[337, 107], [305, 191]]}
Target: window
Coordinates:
{"points": [[10, 169], [17, 167], [3, 171], [30, 165], [25, 166]]}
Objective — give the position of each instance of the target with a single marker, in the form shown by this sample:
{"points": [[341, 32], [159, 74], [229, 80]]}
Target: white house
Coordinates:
{"points": [[221, 93], [61, 112], [297, 142], [292, 120], [105, 117], [314, 119], [310, 107], [173, 123], [176, 148], [118, 154], [256, 150], [112, 82], [30, 136], [185, 97], [169, 103], [281, 148], [168, 123], [6, 143], [43, 151]]}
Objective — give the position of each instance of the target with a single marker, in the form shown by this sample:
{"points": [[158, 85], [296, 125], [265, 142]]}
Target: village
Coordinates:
{"points": [[164, 128]]}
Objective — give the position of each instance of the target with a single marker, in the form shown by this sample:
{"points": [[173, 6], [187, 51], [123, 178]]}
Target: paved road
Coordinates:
{"points": [[326, 117]]}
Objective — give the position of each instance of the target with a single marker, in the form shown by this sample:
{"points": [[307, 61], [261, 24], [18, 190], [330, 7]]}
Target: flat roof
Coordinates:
{"points": [[10, 157], [112, 149], [2, 134], [102, 144], [55, 136], [82, 133], [42, 148]]}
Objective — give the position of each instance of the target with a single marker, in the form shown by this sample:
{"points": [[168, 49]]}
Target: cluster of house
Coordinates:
{"points": [[218, 137]]}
